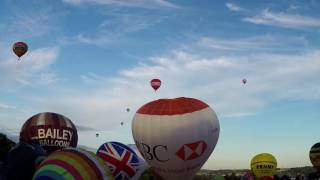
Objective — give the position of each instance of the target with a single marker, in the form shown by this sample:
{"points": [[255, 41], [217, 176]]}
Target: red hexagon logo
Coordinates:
{"points": [[192, 150]]}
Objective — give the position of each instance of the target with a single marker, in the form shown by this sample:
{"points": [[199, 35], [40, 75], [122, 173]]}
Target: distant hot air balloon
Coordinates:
{"points": [[263, 164], [155, 84], [127, 109], [121, 123], [20, 48], [73, 163], [97, 134], [176, 136], [122, 160], [244, 81], [314, 155], [51, 130]]}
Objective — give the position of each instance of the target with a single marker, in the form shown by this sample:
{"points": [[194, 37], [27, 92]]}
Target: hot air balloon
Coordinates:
{"points": [[51, 130], [121, 159], [155, 84], [176, 136], [73, 163], [143, 165], [244, 81], [263, 164], [121, 123], [127, 109], [314, 155], [22, 160], [20, 48], [97, 134]]}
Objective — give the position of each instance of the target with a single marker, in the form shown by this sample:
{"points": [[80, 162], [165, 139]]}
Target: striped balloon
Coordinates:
{"points": [[73, 164], [51, 130]]}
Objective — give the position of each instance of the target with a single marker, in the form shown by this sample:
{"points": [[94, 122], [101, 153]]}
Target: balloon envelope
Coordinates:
{"points": [[51, 130], [175, 136], [155, 84], [263, 164], [73, 163], [122, 160], [143, 164], [244, 81], [314, 155], [20, 48]]}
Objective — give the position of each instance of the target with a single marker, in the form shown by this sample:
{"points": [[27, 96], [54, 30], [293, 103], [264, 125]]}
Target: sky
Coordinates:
{"points": [[90, 60]]}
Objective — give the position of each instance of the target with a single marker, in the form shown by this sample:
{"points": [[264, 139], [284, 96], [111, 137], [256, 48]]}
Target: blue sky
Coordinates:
{"points": [[91, 59]]}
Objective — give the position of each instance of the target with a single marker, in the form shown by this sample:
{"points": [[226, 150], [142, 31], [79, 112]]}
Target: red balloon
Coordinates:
{"points": [[244, 81], [51, 130], [155, 83], [20, 48]]}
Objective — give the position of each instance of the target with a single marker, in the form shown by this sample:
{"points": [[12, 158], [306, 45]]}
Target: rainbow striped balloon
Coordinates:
{"points": [[73, 164]]}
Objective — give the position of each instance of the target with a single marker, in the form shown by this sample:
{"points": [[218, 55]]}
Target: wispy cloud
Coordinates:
{"points": [[117, 26], [271, 77], [282, 19], [31, 21], [234, 7], [32, 69], [255, 43], [150, 4], [6, 106]]}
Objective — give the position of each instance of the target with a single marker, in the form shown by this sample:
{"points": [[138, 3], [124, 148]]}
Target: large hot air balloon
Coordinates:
{"points": [[314, 155], [20, 48], [155, 84], [73, 163], [263, 164], [122, 160], [176, 136], [143, 165], [51, 130]]}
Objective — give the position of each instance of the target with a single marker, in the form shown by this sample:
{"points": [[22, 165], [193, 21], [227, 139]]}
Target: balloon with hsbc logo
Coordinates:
{"points": [[51, 130], [176, 136]]}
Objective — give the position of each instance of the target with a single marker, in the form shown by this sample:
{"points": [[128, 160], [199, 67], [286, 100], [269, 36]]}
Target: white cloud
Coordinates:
{"points": [[5, 106], [32, 69], [282, 19], [113, 30], [234, 7], [217, 81], [255, 43], [152, 4]]}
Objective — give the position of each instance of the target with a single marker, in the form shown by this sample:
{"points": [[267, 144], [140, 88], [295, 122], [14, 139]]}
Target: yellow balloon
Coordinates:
{"points": [[315, 155], [263, 164]]}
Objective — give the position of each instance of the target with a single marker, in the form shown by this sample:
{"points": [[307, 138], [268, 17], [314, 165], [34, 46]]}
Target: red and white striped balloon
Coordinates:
{"points": [[176, 136]]}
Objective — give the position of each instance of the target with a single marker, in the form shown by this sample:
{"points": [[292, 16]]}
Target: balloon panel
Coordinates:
{"points": [[73, 163], [51, 130], [122, 161], [263, 164]]}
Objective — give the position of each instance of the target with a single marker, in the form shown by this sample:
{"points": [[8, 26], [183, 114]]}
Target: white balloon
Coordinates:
{"points": [[176, 136]]}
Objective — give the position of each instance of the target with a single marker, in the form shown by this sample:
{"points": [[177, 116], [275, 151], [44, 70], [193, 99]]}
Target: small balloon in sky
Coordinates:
{"points": [[244, 81], [155, 84], [20, 48]]}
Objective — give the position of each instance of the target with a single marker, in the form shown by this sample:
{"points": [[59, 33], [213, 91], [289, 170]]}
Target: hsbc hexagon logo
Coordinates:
{"points": [[192, 150]]}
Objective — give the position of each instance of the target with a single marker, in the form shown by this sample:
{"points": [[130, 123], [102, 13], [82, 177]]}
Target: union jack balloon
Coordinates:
{"points": [[122, 161], [176, 136]]}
